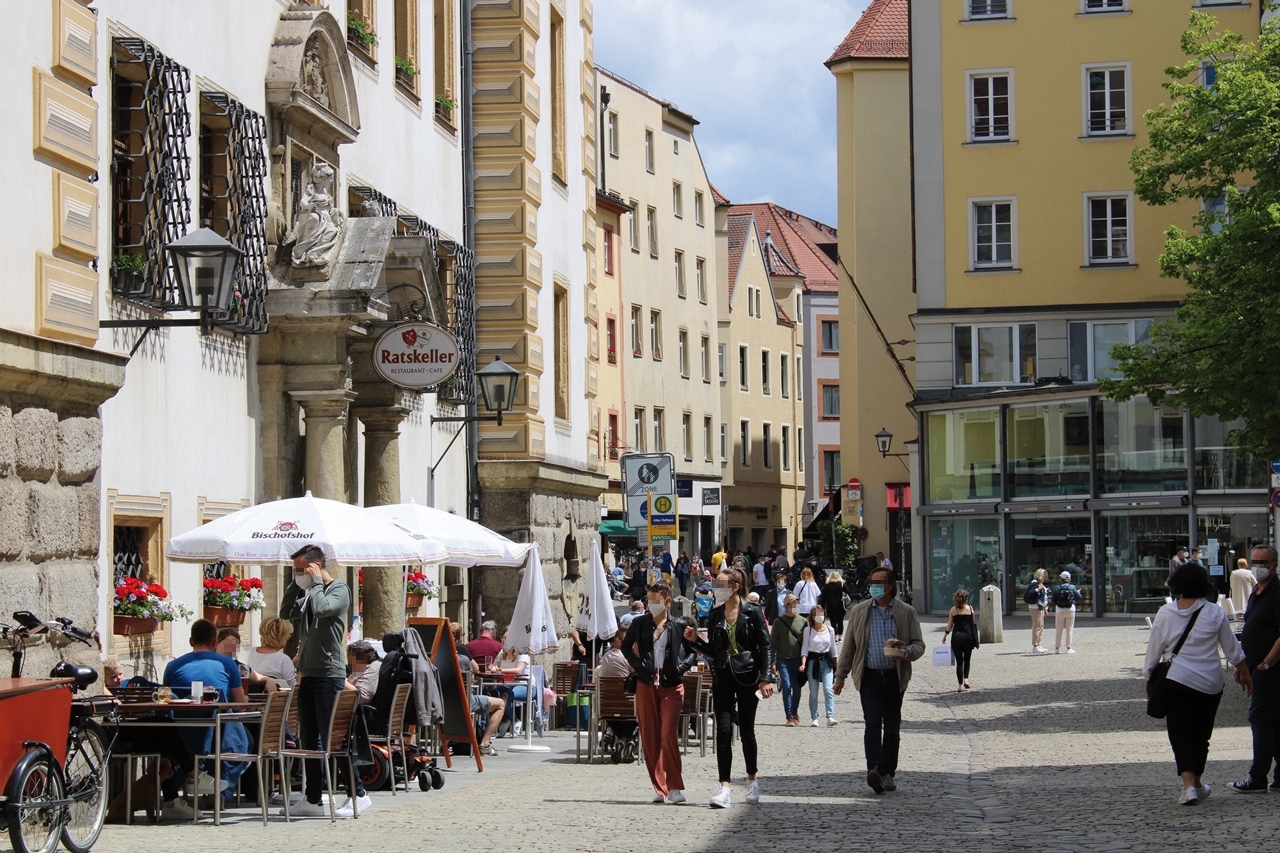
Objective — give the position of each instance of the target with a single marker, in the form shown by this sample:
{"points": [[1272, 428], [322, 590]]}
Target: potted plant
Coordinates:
{"points": [[613, 357], [127, 272], [418, 588], [227, 600], [360, 34], [406, 71], [444, 106], [139, 607]]}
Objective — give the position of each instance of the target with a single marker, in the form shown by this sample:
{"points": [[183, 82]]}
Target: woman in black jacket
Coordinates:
{"points": [[833, 602], [658, 653], [737, 641]]}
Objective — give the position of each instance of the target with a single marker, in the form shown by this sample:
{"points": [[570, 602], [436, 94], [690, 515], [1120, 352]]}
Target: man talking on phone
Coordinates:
{"points": [[881, 640]]}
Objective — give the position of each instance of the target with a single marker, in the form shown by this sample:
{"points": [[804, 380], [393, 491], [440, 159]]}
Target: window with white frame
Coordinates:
{"points": [[1110, 233], [724, 442], [683, 353], [784, 450], [990, 105], [633, 227], [637, 348], [831, 402], [992, 233], [764, 371], [979, 9], [659, 430], [799, 378], [1089, 346], [706, 439], [1103, 5], [680, 286], [705, 358], [637, 429], [700, 274], [1215, 213], [995, 355], [1106, 99], [648, 150], [720, 363], [830, 471], [830, 337], [766, 444], [613, 134], [651, 221], [742, 368], [744, 442], [677, 199], [655, 334], [698, 202], [784, 376], [686, 435], [800, 449]]}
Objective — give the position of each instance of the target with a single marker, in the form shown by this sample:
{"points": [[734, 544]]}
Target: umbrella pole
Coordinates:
{"points": [[528, 745]]}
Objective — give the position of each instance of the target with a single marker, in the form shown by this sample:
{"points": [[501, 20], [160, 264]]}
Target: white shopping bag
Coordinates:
{"points": [[942, 656]]}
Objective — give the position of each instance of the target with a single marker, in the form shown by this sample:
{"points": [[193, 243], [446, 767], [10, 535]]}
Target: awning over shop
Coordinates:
{"points": [[811, 529], [616, 527]]}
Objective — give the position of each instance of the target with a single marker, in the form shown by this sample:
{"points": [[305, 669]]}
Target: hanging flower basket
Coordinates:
{"points": [[224, 617], [413, 601], [129, 626]]}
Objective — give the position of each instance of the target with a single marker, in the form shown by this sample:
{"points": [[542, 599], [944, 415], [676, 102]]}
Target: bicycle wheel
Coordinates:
{"points": [[85, 776], [33, 823]]}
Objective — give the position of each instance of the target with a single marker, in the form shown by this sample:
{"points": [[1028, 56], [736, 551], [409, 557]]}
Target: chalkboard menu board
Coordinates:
{"points": [[458, 727]]}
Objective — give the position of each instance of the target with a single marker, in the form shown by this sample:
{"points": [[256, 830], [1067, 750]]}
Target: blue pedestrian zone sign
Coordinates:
{"points": [[1275, 466]]}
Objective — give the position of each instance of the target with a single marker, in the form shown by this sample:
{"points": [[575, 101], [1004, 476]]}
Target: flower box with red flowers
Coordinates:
{"points": [[140, 602]]}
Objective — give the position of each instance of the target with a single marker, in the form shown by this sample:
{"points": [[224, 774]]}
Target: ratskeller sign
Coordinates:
{"points": [[416, 355]]}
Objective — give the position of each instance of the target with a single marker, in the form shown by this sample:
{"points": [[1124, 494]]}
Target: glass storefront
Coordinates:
{"points": [[1227, 534], [1055, 543], [1139, 548], [963, 455], [1048, 449], [1221, 467], [964, 553], [1141, 448]]}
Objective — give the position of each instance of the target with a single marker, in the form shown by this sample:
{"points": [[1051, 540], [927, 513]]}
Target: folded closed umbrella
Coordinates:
{"points": [[533, 625], [595, 605]]}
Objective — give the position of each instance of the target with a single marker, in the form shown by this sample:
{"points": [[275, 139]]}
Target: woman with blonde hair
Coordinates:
{"points": [[963, 629], [807, 591], [833, 602], [817, 657], [269, 658], [1037, 599]]}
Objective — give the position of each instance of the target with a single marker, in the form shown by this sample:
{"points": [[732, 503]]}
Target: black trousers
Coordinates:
{"points": [[734, 703], [1190, 724], [963, 656]]}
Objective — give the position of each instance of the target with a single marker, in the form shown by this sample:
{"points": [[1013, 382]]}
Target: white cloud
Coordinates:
{"points": [[751, 72]]}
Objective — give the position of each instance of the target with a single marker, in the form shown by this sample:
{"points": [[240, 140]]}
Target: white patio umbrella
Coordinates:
{"points": [[269, 533], [595, 604], [532, 632], [468, 543]]}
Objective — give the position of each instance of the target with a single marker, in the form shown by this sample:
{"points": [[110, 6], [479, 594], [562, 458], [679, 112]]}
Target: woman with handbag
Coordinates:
{"points": [[1189, 682], [737, 641], [963, 629], [817, 657], [656, 649], [807, 591]]}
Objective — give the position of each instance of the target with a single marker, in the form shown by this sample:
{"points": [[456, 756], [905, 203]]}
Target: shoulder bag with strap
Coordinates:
{"points": [[1157, 696]]}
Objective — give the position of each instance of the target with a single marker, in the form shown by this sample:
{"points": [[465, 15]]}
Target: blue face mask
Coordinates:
{"points": [[876, 590]]}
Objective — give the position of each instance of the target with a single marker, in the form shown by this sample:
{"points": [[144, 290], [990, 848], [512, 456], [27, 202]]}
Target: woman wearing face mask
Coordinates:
{"points": [[786, 636], [737, 641], [656, 648], [807, 591], [817, 658]]}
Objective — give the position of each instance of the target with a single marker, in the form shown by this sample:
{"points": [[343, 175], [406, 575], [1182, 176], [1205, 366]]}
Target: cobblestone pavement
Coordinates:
{"points": [[1046, 753]]}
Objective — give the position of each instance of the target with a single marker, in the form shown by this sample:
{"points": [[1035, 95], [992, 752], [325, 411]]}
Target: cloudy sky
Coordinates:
{"points": [[751, 72]]}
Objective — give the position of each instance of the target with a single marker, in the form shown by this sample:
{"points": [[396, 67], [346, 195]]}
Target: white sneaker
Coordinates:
{"points": [[345, 810], [721, 800], [306, 809], [1189, 797], [1040, 650], [180, 808], [516, 728], [1204, 791], [753, 793], [832, 721], [206, 784], [1071, 651], [815, 722], [659, 800], [1057, 651], [676, 797]]}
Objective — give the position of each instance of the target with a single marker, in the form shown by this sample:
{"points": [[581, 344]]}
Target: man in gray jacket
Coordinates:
{"points": [[879, 623], [319, 603]]}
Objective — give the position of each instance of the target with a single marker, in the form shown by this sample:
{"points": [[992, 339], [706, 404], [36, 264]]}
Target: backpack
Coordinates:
{"points": [[1064, 597], [1032, 595]]}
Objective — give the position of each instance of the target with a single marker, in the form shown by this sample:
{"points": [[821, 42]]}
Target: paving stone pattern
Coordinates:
{"points": [[1046, 753]]}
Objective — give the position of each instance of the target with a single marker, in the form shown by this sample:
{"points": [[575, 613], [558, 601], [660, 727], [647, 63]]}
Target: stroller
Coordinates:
{"points": [[385, 771]]}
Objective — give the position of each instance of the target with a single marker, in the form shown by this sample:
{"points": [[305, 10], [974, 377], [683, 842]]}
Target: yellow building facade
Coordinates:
{"points": [[1032, 260]]}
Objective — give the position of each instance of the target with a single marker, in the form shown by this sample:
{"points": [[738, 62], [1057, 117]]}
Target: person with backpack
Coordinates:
{"points": [[1037, 599], [1065, 596], [786, 635]]}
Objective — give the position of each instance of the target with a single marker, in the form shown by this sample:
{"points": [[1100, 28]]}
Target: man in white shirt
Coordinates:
{"points": [[883, 562], [1242, 584]]}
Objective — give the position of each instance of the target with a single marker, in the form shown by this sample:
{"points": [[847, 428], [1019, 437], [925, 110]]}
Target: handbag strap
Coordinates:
{"points": [[1185, 631]]}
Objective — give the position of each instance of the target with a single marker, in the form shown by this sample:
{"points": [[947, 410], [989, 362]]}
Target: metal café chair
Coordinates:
{"points": [[336, 745]]}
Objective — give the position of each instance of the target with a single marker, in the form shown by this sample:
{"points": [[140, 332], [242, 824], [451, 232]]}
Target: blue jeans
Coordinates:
{"points": [[820, 672], [790, 683], [882, 711], [1264, 721], [315, 700]]}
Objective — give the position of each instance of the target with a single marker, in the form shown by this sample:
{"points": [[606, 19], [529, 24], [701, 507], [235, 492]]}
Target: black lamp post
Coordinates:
{"points": [[497, 382], [884, 439], [205, 265]]}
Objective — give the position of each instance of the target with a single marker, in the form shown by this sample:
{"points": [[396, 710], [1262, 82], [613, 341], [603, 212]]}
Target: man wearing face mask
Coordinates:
{"points": [[775, 601], [876, 626], [1260, 640], [656, 649]]}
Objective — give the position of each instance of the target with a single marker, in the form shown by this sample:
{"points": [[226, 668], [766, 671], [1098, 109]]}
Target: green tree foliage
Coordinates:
{"points": [[847, 545], [1220, 353]]}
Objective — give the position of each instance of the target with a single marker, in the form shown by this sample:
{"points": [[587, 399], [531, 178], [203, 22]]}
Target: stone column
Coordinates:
{"points": [[383, 587], [325, 413]]}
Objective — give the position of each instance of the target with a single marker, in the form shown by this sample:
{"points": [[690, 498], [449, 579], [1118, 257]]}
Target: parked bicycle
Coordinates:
{"points": [[53, 791]]}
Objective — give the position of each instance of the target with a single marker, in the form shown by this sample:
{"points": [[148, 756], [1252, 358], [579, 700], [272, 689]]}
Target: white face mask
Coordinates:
{"points": [[657, 608], [300, 578], [1261, 571], [722, 594], [819, 619]]}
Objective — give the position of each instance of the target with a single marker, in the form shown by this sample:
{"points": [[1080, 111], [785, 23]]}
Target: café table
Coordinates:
{"points": [[223, 712]]}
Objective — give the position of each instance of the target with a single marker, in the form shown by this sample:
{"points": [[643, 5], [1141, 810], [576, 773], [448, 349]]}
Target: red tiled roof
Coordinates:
{"points": [[739, 232], [881, 33], [718, 196], [797, 238]]}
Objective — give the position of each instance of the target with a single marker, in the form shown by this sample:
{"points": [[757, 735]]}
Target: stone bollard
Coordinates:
{"points": [[991, 615]]}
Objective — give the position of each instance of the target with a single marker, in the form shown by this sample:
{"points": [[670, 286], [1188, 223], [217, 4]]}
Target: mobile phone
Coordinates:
{"points": [[27, 619]]}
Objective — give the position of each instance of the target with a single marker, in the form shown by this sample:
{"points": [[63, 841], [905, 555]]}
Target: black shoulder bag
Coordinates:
{"points": [[1157, 696]]}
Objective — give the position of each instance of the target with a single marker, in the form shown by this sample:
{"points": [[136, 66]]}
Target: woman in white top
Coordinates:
{"points": [[1194, 682], [807, 591], [269, 658], [817, 658]]}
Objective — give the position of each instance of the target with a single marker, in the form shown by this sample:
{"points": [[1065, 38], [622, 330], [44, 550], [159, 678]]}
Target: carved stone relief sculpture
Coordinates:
{"points": [[317, 227], [313, 79]]}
